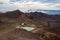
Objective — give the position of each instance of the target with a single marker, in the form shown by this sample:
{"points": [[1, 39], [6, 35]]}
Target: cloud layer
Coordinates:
{"points": [[24, 5]]}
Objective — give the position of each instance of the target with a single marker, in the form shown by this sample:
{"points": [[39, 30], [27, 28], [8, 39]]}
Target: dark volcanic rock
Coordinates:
{"points": [[19, 34], [11, 19]]}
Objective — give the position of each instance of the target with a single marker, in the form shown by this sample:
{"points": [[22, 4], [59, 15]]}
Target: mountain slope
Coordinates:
{"points": [[10, 20]]}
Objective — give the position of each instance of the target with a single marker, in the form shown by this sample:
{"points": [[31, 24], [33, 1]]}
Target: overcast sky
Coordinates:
{"points": [[6, 5]]}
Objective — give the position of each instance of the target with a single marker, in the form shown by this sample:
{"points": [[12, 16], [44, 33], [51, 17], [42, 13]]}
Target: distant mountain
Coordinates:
{"points": [[54, 12]]}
